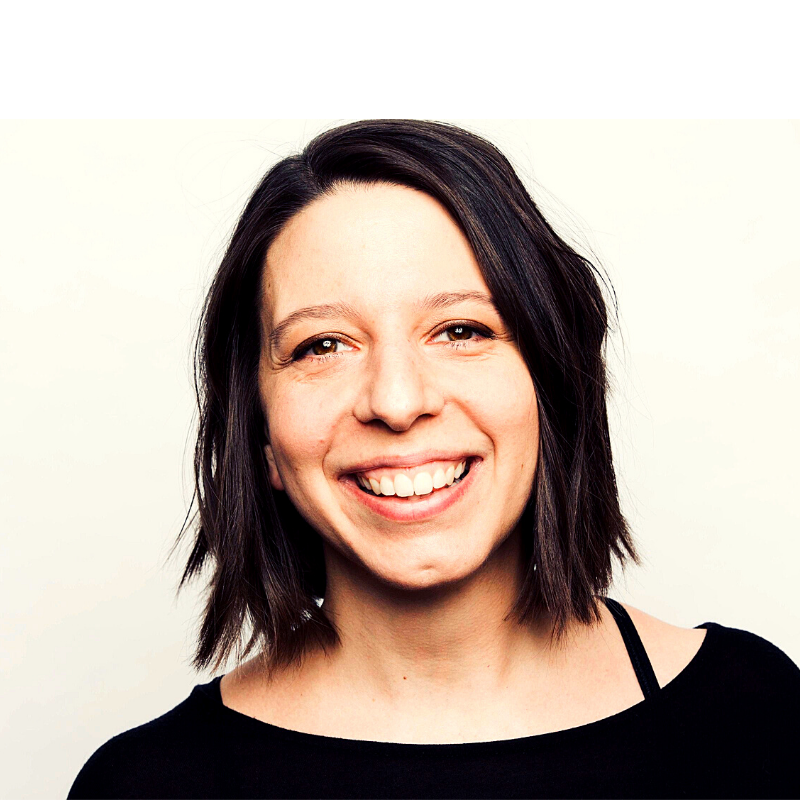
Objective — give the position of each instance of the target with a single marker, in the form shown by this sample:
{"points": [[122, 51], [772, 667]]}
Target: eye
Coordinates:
{"points": [[459, 334], [325, 347]]}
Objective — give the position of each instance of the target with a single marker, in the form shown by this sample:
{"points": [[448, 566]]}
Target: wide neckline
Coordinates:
{"points": [[212, 693]]}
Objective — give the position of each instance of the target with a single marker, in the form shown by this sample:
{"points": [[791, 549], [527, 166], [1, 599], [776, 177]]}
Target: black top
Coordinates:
{"points": [[726, 726]]}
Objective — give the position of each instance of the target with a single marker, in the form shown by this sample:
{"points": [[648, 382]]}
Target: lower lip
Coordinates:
{"points": [[417, 507]]}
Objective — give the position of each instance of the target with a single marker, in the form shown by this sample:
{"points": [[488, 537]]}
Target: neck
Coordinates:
{"points": [[434, 644]]}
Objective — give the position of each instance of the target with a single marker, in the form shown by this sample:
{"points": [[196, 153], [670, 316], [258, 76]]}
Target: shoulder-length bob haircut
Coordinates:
{"points": [[268, 566]]}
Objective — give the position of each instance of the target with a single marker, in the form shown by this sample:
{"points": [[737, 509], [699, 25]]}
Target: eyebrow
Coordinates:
{"points": [[327, 310]]}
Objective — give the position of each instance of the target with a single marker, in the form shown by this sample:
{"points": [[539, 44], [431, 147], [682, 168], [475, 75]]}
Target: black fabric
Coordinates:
{"points": [[726, 726], [638, 655]]}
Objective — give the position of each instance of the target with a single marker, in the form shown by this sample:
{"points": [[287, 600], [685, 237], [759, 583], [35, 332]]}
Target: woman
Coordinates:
{"points": [[406, 490]]}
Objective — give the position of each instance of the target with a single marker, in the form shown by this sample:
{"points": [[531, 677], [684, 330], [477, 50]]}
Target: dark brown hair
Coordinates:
{"points": [[268, 567]]}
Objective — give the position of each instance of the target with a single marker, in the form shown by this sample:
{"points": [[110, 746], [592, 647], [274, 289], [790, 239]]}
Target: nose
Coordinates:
{"points": [[399, 388]]}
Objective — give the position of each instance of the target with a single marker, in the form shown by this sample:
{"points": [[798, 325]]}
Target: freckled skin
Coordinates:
{"points": [[395, 385]]}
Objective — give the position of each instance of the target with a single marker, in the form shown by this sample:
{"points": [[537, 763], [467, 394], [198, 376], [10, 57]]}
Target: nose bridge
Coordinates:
{"points": [[400, 386]]}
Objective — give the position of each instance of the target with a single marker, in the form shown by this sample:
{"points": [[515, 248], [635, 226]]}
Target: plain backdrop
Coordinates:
{"points": [[109, 235]]}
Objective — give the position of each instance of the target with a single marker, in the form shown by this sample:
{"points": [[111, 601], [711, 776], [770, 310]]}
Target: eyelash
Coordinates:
{"points": [[485, 333]]}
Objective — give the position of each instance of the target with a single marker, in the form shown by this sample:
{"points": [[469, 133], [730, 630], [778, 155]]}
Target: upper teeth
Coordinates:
{"points": [[423, 482]]}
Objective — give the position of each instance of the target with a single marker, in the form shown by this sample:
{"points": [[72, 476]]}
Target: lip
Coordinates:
{"points": [[415, 508], [410, 460]]}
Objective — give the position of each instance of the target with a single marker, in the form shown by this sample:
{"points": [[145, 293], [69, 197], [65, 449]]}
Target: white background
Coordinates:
{"points": [[109, 234]]}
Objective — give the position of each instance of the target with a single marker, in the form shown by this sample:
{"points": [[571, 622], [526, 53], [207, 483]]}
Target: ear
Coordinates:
{"points": [[274, 477]]}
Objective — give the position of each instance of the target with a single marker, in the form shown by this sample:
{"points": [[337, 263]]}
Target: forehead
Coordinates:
{"points": [[369, 243]]}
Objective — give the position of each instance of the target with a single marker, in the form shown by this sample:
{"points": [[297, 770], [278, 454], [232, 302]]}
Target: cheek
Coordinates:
{"points": [[504, 402], [300, 425]]}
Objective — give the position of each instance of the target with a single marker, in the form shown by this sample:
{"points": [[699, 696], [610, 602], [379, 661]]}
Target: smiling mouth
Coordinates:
{"points": [[418, 492]]}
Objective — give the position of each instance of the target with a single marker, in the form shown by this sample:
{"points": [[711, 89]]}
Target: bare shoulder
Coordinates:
{"points": [[669, 647], [240, 687], [251, 690]]}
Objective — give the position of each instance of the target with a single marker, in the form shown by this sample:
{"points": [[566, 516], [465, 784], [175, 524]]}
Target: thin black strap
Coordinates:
{"points": [[638, 655]]}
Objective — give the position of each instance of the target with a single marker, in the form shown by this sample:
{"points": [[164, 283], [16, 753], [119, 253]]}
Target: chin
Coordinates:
{"points": [[426, 575]]}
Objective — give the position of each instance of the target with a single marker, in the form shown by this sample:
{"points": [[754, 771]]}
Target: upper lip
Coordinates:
{"points": [[408, 460]]}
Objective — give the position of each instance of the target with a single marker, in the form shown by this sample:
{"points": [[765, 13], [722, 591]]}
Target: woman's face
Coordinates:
{"points": [[385, 362]]}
